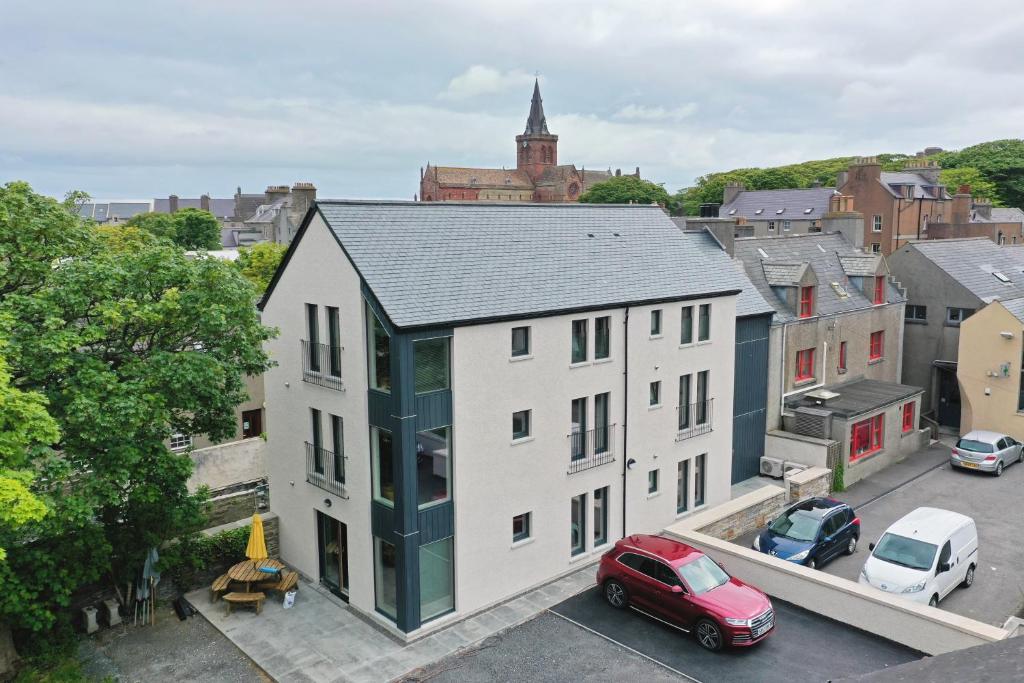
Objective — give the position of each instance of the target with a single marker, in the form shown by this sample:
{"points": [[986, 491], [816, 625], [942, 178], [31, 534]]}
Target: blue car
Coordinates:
{"points": [[811, 532]]}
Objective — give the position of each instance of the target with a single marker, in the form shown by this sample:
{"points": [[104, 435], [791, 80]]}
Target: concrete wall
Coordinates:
{"points": [[228, 464], [989, 398], [806, 450], [254, 385]]}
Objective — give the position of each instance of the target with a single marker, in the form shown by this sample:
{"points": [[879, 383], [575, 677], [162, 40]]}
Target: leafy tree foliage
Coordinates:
{"points": [[1001, 162], [188, 228], [259, 262], [159, 224], [626, 189], [981, 187]]}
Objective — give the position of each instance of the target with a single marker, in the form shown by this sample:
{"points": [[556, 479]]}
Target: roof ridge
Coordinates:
{"points": [[485, 204]]}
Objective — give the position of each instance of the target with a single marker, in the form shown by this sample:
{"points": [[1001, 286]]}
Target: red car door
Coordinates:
{"points": [[675, 606]]}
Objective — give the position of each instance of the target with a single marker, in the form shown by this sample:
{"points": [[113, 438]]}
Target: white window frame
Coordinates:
{"points": [[180, 442]]}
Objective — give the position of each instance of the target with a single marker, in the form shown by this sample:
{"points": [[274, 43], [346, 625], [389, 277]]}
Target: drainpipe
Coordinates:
{"points": [[625, 414], [824, 365]]}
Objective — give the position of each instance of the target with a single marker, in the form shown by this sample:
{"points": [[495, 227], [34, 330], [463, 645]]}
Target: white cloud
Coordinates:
{"points": [[483, 80], [639, 112]]}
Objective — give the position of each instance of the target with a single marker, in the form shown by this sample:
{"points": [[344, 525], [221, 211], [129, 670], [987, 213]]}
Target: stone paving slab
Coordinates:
{"points": [[321, 639]]}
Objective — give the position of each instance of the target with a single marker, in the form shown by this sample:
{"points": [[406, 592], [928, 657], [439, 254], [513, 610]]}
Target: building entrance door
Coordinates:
{"points": [[949, 398], [332, 537]]}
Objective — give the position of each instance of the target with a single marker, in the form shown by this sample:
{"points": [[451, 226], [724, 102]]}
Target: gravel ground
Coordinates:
{"points": [[171, 650]]}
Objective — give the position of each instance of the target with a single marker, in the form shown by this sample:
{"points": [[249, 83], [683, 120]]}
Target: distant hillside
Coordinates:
{"points": [[994, 170]]}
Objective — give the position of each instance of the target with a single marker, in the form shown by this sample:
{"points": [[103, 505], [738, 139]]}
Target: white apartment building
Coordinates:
{"points": [[473, 399]]}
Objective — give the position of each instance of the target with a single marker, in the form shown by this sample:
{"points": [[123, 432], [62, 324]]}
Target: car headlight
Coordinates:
{"points": [[802, 555], [737, 622], [916, 588], [757, 542]]}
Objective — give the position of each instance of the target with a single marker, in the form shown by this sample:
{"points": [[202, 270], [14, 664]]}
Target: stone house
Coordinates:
{"points": [[777, 212]]}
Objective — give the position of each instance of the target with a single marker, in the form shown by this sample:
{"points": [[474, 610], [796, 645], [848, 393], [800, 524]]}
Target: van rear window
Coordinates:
{"points": [[976, 446]]}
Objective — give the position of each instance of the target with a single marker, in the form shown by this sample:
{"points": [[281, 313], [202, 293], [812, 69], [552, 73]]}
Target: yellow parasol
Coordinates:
{"points": [[257, 548]]}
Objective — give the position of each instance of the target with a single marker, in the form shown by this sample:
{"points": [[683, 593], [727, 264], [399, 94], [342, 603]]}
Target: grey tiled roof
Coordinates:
{"points": [[863, 265], [431, 263], [972, 262], [922, 187], [999, 215], [793, 202], [783, 274], [861, 396], [821, 251], [749, 302], [1015, 307], [220, 207]]}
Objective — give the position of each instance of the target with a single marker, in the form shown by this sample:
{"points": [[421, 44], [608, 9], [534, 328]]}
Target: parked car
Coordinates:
{"points": [[811, 532], [986, 451], [678, 584], [924, 556]]}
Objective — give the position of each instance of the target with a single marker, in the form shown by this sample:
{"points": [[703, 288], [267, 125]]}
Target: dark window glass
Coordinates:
{"points": [[665, 574], [686, 325], [338, 440], [631, 560], [521, 424], [431, 359], [520, 341], [318, 441], [704, 323], [433, 466], [334, 341], [579, 341], [379, 352], [521, 527], [602, 337], [656, 322], [313, 331]]}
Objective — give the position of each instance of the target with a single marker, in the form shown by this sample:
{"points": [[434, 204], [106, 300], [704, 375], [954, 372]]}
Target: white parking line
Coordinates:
{"points": [[626, 647]]}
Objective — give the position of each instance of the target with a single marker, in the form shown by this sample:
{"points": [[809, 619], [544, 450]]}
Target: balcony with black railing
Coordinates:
{"points": [[591, 448], [694, 419], [321, 365], [325, 469]]}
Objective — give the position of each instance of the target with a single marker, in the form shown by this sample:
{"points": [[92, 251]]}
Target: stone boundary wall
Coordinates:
{"points": [[228, 464], [816, 481]]}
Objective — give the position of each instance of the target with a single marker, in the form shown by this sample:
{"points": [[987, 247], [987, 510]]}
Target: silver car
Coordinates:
{"points": [[986, 451]]}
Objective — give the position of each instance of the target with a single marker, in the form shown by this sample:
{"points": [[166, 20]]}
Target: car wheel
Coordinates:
{"points": [[999, 469], [968, 577], [1020, 458], [615, 593], [851, 546], [812, 563], [709, 635], [934, 602]]}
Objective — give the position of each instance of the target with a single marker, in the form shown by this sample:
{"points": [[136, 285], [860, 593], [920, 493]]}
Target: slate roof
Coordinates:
{"points": [[248, 205], [999, 215], [783, 274], [793, 202], [594, 177], [457, 176], [749, 302], [862, 265], [821, 251], [1015, 307], [433, 264], [219, 206], [972, 262], [923, 188], [860, 396]]}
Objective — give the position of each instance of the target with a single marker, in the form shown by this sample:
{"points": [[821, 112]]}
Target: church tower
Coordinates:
{"points": [[536, 148]]}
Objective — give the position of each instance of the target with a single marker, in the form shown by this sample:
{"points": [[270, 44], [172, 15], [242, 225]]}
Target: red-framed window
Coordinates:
{"points": [[879, 290], [806, 302], [804, 365], [908, 417], [842, 355], [866, 437], [877, 345]]}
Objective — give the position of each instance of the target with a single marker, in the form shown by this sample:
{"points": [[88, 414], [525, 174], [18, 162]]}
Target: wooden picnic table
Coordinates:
{"points": [[248, 572]]}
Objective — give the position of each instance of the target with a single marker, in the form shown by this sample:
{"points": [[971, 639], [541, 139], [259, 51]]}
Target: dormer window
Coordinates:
{"points": [[909, 191], [806, 302]]}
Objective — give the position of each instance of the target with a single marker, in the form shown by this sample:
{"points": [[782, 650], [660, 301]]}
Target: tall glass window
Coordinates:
{"points": [[338, 437], [601, 428], [579, 341], [318, 441], [699, 479], [313, 331], [683, 486], [334, 341], [656, 322], [578, 524], [383, 466], [684, 402], [520, 341], [437, 579], [686, 326], [433, 466], [701, 407], [602, 337], [385, 577], [431, 359], [704, 323], [379, 351], [600, 516], [578, 413]]}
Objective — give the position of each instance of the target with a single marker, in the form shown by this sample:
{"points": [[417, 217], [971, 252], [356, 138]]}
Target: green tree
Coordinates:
{"points": [[159, 224], [981, 187], [1001, 162], [259, 262], [196, 229], [626, 189]]}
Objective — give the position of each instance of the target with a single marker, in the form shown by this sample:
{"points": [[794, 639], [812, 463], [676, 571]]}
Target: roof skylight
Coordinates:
{"points": [[1001, 277], [732, 212], [762, 252], [808, 210], [759, 212], [779, 211]]}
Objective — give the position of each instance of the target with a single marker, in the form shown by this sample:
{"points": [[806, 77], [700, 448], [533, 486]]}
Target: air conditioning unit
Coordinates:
{"points": [[789, 468], [771, 467]]}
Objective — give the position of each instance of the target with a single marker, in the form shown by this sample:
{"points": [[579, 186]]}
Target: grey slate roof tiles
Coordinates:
{"points": [[438, 264], [794, 203], [862, 395], [860, 265], [923, 189], [972, 262], [783, 274], [1015, 307]]}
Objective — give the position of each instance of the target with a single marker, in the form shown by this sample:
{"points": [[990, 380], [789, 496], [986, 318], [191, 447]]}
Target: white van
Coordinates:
{"points": [[924, 556]]}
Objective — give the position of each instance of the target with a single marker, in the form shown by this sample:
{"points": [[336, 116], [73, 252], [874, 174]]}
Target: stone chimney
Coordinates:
{"points": [[961, 213], [732, 189], [276, 192], [864, 168], [303, 196], [637, 174], [172, 203], [204, 202], [843, 219], [927, 169], [983, 208]]}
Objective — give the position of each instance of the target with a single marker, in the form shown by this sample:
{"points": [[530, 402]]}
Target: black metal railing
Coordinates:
{"points": [[695, 418], [325, 469], [591, 448], [321, 365]]}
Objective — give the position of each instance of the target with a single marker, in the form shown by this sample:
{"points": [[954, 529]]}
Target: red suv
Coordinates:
{"points": [[671, 581]]}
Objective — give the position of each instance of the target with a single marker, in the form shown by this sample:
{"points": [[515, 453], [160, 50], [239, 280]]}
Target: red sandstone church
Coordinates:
{"points": [[537, 176]]}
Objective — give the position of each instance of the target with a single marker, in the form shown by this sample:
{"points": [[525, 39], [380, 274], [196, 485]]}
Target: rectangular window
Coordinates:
{"points": [[313, 331], [433, 466], [842, 356], [378, 344], [771, 226], [578, 428], [431, 359], [652, 481], [876, 224], [955, 316], [909, 424], [334, 341], [602, 337], [180, 442], [600, 516], [916, 312], [686, 326], [383, 466], [683, 486], [704, 323], [806, 302], [579, 341], [700, 416], [879, 297], [520, 341], [318, 441], [601, 419], [521, 527], [804, 365], [877, 345], [578, 524], [338, 441], [876, 248], [655, 394], [699, 479], [656, 323], [786, 225], [521, 424], [684, 402], [437, 579], [385, 577], [866, 437]]}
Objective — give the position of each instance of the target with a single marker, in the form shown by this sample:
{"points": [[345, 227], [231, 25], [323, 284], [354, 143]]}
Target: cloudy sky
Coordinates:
{"points": [[149, 98]]}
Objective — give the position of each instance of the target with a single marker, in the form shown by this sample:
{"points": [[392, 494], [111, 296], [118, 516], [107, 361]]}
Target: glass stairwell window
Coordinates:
{"points": [[378, 353], [431, 358]]}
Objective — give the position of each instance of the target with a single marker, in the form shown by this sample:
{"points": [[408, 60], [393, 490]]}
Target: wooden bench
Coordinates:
{"points": [[287, 582], [220, 585], [232, 599]]}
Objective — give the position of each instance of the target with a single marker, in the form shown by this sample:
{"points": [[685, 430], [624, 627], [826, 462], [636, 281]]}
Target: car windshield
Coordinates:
{"points": [[800, 525], [906, 552], [976, 446], [703, 574]]}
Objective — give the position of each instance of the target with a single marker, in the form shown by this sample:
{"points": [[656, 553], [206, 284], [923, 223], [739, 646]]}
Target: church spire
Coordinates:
{"points": [[536, 123]]}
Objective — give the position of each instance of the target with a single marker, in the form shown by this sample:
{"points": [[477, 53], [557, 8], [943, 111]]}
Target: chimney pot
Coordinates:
{"points": [[172, 203], [204, 202]]}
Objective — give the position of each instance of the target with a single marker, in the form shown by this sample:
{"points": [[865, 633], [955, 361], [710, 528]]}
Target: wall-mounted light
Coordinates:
{"points": [[630, 464], [1006, 335], [327, 502]]}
